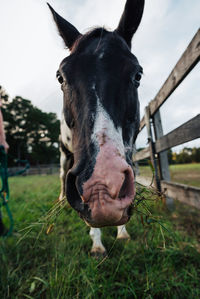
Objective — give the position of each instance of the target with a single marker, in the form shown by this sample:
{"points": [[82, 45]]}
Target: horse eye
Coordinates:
{"points": [[60, 79], [138, 77]]}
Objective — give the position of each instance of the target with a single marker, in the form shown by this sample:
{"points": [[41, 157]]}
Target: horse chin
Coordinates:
{"points": [[108, 218], [124, 219]]}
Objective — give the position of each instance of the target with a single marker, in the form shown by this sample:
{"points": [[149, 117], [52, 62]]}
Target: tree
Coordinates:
{"points": [[195, 154], [31, 133], [3, 95], [170, 157], [184, 156]]}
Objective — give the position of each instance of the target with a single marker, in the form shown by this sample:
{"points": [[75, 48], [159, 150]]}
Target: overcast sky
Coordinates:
{"points": [[31, 50]]}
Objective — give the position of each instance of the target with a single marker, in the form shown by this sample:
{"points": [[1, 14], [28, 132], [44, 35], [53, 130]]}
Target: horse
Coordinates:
{"points": [[100, 121]]}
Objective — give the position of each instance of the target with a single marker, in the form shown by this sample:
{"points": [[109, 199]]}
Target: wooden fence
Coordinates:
{"points": [[159, 143], [39, 169]]}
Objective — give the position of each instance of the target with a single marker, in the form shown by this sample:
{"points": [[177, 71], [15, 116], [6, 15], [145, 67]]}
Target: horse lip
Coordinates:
{"points": [[123, 220], [81, 204], [124, 196], [95, 190], [123, 205]]}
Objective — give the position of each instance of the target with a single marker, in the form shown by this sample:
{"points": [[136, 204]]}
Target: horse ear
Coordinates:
{"points": [[130, 19], [66, 30]]}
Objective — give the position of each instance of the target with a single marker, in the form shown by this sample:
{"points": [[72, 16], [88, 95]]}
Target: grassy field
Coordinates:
{"points": [[188, 174], [161, 261]]}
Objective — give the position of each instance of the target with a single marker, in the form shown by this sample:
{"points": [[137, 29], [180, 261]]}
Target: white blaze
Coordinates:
{"points": [[104, 124]]}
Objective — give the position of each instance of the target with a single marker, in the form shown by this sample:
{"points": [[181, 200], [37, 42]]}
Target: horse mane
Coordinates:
{"points": [[82, 40]]}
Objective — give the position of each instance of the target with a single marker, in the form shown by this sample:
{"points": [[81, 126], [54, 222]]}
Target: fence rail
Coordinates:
{"points": [[186, 63], [141, 155], [184, 193], [188, 131], [35, 170]]}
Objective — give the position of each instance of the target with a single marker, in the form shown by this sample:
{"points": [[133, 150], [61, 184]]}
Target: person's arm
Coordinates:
{"points": [[2, 133]]}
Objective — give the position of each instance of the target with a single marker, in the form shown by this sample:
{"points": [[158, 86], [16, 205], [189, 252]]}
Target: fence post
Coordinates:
{"points": [[152, 148], [162, 156]]}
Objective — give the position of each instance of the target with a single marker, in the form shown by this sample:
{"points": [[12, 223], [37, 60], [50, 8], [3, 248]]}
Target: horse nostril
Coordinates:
{"points": [[122, 192], [127, 186]]}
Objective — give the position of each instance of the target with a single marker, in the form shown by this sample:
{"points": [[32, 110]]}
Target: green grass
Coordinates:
{"points": [[161, 261], [188, 174]]}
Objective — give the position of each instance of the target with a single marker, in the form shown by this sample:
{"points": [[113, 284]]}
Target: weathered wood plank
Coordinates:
{"points": [[186, 194], [186, 63], [141, 155], [146, 181], [186, 132]]}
